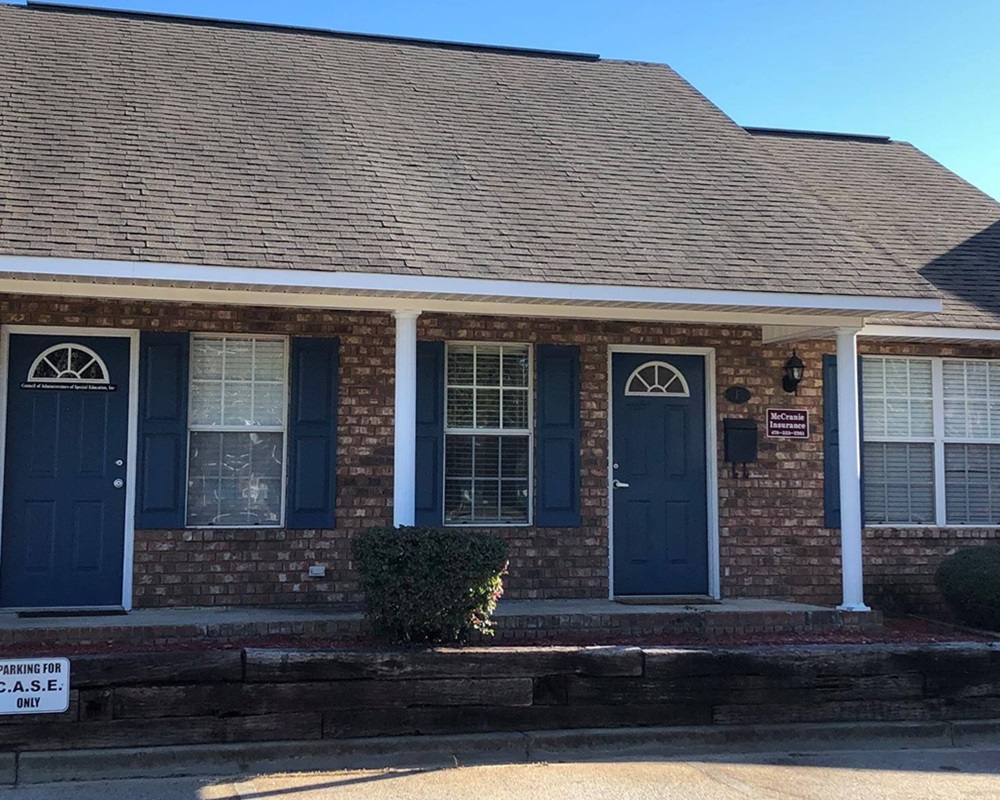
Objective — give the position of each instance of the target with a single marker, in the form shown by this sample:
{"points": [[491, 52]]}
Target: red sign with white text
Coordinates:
{"points": [[787, 423]]}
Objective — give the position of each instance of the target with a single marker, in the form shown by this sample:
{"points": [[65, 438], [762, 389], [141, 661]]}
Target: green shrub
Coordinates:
{"points": [[430, 584], [969, 579]]}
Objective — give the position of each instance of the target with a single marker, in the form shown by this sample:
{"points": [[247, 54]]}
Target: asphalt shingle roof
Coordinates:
{"points": [[941, 227], [135, 137]]}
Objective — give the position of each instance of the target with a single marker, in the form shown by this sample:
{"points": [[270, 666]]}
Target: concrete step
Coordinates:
{"points": [[577, 621]]}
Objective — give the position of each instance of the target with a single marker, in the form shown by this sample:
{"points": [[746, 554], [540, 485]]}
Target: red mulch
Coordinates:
{"points": [[896, 631]]}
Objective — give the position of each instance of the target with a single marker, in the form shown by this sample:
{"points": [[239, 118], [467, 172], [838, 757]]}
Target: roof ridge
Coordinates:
{"points": [[37, 5], [806, 134]]}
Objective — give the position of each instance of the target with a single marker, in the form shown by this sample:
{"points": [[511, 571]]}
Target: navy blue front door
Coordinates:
{"points": [[659, 474], [62, 542]]}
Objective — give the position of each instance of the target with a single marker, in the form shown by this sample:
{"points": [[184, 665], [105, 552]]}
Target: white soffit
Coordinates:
{"points": [[350, 290], [774, 334]]}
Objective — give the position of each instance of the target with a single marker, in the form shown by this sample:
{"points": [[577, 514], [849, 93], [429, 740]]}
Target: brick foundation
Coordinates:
{"points": [[772, 542], [900, 564]]}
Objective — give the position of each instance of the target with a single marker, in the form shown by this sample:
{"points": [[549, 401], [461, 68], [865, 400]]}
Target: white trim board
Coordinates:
{"points": [[131, 454], [930, 332], [774, 333], [711, 460], [456, 288]]}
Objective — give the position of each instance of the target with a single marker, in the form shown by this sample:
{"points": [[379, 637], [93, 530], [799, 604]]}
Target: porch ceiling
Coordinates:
{"points": [[775, 334]]}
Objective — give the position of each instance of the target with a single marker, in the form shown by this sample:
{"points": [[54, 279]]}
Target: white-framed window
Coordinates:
{"points": [[899, 440], [238, 401], [971, 441], [487, 427], [931, 441]]}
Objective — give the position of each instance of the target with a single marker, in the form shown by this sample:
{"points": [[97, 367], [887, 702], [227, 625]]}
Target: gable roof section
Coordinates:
{"points": [[941, 227], [139, 138]]}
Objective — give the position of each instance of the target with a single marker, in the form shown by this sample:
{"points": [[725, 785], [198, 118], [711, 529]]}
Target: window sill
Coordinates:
{"points": [[487, 525], [233, 527], [931, 526]]}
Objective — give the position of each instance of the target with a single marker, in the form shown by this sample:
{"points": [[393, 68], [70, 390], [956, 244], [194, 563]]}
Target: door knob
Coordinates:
{"points": [[619, 484], [118, 483]]}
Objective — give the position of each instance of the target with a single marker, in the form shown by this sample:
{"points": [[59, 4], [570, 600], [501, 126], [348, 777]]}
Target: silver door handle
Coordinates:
{"points": [[618, 484]]}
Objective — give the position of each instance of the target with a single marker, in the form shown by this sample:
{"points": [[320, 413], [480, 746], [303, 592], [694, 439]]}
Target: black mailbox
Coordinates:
{"points": [[740, 440]]}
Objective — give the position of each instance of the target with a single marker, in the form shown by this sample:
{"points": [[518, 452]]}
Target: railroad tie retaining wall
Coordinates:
{"points": [[256, 695]]}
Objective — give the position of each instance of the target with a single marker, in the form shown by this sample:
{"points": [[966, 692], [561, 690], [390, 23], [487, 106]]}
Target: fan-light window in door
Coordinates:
{"points": [[656, 378], [68, 363]]}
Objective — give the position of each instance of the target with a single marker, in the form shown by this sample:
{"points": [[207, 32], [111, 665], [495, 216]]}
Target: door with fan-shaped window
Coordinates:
{"points": [[63, 535], [659, 477]]}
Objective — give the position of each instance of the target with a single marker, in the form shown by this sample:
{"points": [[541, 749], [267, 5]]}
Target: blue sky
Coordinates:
{"points": [[923, 71]]}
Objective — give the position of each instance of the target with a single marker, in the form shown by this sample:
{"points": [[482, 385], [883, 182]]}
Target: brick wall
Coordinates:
{"points": [[772, 543], [772, 540], [255, 566]]}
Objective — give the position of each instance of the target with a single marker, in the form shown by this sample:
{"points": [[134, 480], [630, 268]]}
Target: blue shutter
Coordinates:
{"points": [[429, 490], [312, 434], [831, 441], [558, 436], [162, 452]]}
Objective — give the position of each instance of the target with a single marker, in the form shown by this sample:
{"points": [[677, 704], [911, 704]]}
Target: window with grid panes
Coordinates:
{"points": [[487, 464], [236, 431], [932, 441], [899, 440]]}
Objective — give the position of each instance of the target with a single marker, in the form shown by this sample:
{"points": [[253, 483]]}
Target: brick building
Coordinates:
{"points": [[263, 288]]}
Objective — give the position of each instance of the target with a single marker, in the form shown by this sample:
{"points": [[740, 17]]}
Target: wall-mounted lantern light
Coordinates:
{"points": [[794, 370]]}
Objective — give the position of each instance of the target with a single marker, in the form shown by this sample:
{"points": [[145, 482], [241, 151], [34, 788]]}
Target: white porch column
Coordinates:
{"points": [[850, 470], [404, 474]]}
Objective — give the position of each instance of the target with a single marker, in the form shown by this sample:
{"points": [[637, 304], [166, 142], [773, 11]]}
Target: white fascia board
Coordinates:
{"points": [[929, 332], [248, 277], [345, 302]]}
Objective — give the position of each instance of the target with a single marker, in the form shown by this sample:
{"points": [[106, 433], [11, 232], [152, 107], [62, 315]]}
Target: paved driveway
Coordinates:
{"points": [[886, 775]]}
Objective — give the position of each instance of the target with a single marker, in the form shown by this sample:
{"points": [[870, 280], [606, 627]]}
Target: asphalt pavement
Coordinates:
{"points": [[929, 774]]}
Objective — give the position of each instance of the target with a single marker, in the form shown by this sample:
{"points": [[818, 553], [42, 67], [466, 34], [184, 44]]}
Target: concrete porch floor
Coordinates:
{"points": [[517, 620], [513, 608]]}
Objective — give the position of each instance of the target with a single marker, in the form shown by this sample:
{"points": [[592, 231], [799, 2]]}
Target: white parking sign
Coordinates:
{"points": [[34, 685]]}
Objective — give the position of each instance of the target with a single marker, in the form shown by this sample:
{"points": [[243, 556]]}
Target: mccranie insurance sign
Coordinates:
{"points": [[787, 423], [34, 685]]}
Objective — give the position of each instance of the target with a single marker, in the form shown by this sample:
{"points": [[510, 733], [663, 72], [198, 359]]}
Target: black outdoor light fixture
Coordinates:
{"points": [[794, 369]]}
